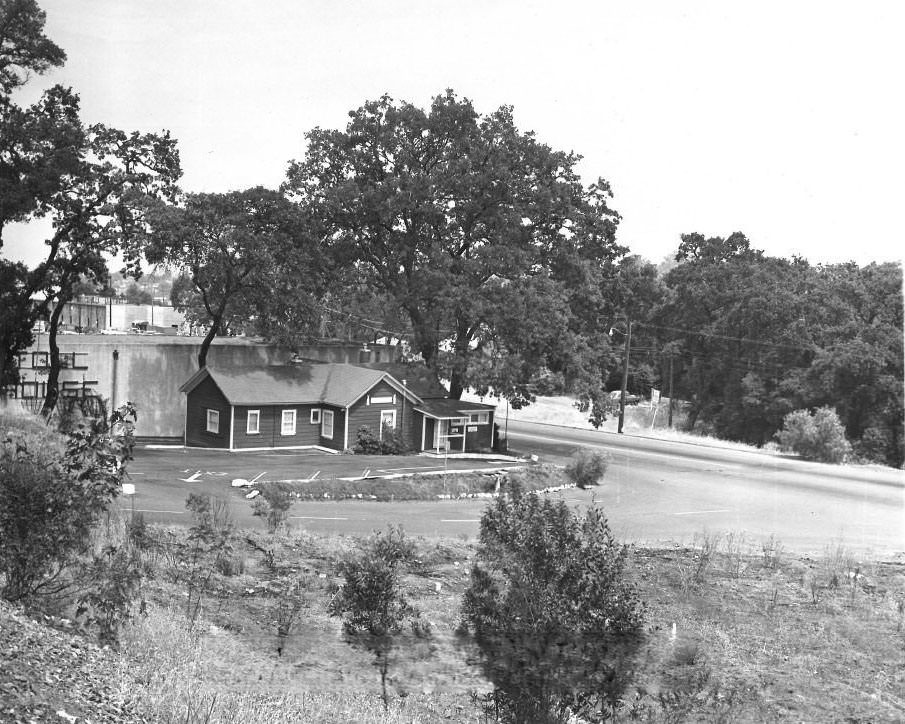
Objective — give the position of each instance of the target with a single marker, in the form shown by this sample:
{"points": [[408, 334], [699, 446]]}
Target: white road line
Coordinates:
{"points": [[704, 512], [460, 520], [312, 517], [145, 510], [417, 467]]}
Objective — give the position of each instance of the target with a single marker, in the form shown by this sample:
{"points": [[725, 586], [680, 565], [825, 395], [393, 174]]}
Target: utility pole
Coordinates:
{"points": [[669, 422], [628, 348]]}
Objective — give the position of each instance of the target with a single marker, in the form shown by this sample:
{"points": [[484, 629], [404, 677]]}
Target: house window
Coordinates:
{"points": [[387, 419], [327, 424], [287, 426], [253, 422], [316, 417], [213, 421], [479, 418]]}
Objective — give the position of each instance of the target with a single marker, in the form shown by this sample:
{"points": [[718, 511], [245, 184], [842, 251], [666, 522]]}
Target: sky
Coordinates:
{"points": [[783, 120]]}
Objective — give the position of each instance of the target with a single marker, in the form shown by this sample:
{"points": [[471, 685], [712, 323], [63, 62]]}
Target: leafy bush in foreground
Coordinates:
{"points": [[52, 498], [819, 436], [555, 621], [371, 601]]}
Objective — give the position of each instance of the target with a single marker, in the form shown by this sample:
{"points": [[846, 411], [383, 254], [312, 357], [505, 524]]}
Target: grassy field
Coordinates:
{"points": [[737, 630]]}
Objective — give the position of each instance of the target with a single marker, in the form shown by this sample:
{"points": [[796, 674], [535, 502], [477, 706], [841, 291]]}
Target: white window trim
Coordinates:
{"points": [[290, 429], [391, 424], [483, 418], [315, 416], [215, 429], [325, 416], [256, 415]]}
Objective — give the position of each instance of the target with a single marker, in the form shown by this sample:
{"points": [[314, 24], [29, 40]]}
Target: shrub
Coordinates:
{"points": [[371, 601], [114, 579], [52, 496], [391, 442], [587, 467], [273, 505], [44, 525], [819, 436], [555, 622]]}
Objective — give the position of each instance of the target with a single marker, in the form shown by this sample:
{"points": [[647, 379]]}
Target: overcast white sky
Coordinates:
{"points": [[784, 120]]}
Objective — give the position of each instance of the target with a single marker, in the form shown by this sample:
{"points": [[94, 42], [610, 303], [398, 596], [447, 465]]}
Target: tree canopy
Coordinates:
{"points": [[483, 236], [94, 182], [762, 336], [246, 255]]}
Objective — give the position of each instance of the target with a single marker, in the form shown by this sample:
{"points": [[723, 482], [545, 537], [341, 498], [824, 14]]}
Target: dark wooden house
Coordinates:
{"points": [[323, 406]]}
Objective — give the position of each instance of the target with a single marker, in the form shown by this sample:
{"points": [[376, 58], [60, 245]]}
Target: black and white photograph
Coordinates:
{"points": [[411, 362]]}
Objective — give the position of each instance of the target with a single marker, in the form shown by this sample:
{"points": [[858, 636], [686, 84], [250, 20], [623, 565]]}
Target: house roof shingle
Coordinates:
{"points": [[444, 408], [333, 384]]}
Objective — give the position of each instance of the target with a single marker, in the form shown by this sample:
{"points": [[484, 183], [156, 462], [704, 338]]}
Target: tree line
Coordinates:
{"points": [[471, 240]]}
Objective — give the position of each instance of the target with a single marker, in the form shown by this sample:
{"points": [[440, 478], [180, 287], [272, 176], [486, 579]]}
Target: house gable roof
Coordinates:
{"points": [[332, 384]]}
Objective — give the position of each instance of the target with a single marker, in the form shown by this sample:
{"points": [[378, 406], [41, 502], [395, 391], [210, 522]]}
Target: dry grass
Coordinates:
{"points": [[739, 630], [640, 419]]}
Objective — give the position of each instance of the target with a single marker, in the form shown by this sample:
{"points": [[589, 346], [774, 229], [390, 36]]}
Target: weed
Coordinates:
{"points": [[771, 550], [733, 559]]}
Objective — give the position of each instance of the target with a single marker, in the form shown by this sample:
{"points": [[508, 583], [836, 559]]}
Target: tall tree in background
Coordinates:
{"points": [[763, 336], [94, 182], [482, 235], [24, 49], [247, 254], [31, 161]]}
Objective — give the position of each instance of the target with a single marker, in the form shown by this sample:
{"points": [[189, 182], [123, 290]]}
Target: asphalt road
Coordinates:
{"points": [[659, 491], [655, 492]]}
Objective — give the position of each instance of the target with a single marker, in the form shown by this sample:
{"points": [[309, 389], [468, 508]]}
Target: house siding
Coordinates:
{"points": [[362, 414], [270, 427], [479, 437], [206, 396], [339, 429]]}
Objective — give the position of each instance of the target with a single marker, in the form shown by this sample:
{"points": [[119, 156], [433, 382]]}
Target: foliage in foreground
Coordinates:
{"points": [[51, 502], [814, 436], [372, 602], [555, 621]]}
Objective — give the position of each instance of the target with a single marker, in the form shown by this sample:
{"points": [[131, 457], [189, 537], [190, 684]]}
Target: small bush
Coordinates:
{"points": [[390, 442], [273, 505], [372, 602], [587, 467], [819, 436]]}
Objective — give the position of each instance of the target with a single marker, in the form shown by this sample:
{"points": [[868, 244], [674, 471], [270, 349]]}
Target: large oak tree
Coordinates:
{"points": [[483, 236]]}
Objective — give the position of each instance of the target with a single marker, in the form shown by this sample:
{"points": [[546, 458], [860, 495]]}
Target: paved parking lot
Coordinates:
{"points": [[164, 478]]}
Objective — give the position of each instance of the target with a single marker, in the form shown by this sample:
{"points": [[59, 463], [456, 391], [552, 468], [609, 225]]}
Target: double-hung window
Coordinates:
{"points": [[287, 424], [327, 424], [213, 421], [253, 422]]}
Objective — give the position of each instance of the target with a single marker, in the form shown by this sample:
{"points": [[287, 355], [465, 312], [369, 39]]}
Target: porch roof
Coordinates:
{"points": [[446, 409]]}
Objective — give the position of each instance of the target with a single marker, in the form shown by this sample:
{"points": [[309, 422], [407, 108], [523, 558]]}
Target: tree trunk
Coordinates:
{"points": [[456, 387], [206, 343], [384, 667], [53, 375]]}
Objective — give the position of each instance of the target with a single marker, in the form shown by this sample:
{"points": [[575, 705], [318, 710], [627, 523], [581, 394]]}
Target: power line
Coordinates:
{"points": [[725, 337]]}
